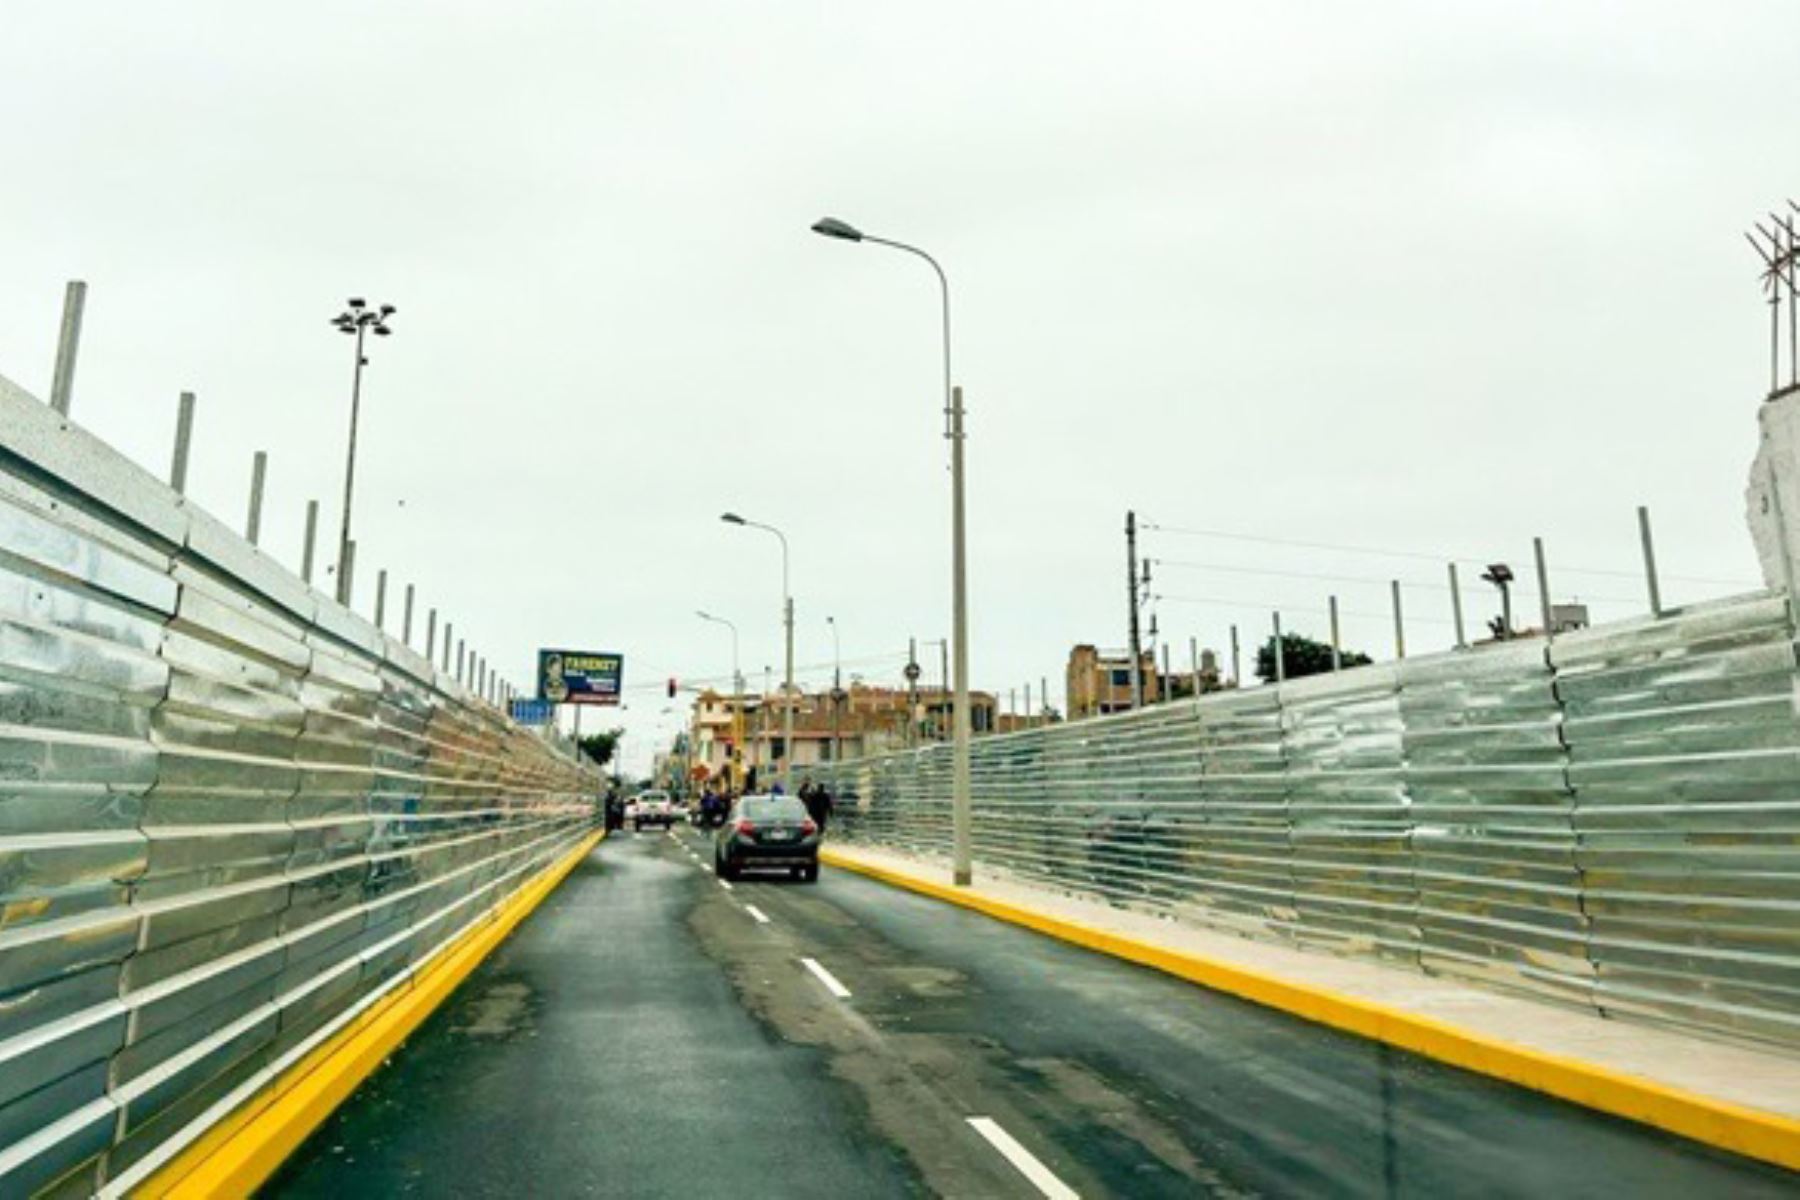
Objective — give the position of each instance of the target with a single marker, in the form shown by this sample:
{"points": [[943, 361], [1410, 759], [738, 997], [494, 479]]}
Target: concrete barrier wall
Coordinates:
{"points": [[1611, 819], [232, 813]]}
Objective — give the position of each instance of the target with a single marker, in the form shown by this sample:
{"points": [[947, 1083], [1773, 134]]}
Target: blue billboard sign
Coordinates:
{"points": [[579, 676], [533, 712]]}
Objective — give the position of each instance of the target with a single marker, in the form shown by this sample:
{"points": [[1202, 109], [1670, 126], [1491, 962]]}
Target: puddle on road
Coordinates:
{"points": [[500, 1010]]}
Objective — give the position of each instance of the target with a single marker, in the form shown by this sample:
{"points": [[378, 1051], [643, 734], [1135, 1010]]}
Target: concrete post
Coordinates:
{"points": [[1337, 645], [1280, 657], [1650, 580], [68, 346], [406, 614], [1537, 552], [381, 599], [1237, 679], [431, 635], [312, 535], [259, 471], [184, 436], [1462, 641], [1399, 622]]}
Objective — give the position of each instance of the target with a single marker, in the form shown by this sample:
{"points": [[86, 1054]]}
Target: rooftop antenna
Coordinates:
{"points": [[1792, 259], [1779, 262]]}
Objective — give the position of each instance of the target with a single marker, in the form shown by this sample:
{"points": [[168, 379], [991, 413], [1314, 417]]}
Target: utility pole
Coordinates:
{"points": [[1131, 597], [912, 692], [837, 692]]}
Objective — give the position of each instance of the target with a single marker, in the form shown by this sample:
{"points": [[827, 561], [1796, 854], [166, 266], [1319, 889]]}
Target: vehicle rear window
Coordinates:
{"points": [[774, 808]]}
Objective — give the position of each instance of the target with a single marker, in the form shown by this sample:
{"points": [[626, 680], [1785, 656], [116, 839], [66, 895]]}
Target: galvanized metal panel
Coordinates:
{"points": [[1685, 757], [1611, 819], [230, 811]]}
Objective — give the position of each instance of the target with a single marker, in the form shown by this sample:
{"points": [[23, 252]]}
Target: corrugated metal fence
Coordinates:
{"points": [[231, 813], [1611, 819]]}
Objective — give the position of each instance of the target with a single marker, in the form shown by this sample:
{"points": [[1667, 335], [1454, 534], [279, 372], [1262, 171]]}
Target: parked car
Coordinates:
{"points": [[650, 808], [767, 832]]}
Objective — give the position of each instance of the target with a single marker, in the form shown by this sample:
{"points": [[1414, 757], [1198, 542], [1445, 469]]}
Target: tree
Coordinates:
{"points": [[1300, 655], [600, 746]]}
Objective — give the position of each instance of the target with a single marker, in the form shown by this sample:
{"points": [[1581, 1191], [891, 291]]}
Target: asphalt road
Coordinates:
{"points": [[646, 1034]]}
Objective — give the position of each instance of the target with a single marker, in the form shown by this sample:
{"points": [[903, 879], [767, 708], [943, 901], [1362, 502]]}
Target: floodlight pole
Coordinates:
{"points": [[357, 318], [343, 574]]}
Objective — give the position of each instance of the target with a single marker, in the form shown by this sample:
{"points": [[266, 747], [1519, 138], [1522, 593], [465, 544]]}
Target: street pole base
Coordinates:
{"points": [[962, 878]]}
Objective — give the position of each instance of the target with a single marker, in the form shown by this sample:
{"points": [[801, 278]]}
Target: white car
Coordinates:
{"points": [[650, 808]]}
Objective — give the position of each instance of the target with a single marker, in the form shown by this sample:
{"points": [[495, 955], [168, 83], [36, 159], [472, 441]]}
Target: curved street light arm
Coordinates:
{"points": [[944, 291]]}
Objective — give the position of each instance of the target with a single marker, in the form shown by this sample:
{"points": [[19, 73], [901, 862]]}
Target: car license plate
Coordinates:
{"points": [[782, 835]]}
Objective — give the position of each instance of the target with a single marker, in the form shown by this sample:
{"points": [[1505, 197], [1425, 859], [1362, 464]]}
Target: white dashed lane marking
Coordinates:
{"points": [[827, 978], [757, 913], [1024, 1160]]}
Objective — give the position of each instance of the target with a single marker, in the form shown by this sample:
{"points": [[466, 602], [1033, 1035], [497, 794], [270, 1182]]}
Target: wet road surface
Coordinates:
{"points": [[652, 1032]]}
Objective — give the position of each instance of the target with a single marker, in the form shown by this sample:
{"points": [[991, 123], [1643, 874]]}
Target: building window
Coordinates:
{"points": [[1121, 676]]}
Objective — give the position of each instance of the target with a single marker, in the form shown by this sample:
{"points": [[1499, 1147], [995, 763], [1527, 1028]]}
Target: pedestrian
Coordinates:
{"points": [[818, 806]]}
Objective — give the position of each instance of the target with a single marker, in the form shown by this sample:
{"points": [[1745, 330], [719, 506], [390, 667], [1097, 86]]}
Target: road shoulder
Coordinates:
{"points": [[1733, 1097]]}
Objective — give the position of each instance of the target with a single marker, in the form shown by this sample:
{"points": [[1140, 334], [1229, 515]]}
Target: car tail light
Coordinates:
{"points": [[807, 829], [746, 827]]}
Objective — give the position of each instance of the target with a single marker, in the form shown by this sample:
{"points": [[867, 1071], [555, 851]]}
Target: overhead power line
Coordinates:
{"points": [[1256, 606], [1187, 564], [1440, 559]]}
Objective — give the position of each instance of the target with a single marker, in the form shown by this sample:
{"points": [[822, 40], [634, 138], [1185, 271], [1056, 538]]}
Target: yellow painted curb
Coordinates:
{"points": [[235, 1156], [1751, 1132]]}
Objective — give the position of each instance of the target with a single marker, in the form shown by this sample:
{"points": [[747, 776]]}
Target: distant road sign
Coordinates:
{"points": [[533, 712], [579, 676]]}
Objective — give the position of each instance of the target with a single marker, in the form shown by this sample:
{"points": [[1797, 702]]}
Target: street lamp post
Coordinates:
{"points": [[357, 319], [787, 612], [737, 687], [961, 836], [837, 692]]}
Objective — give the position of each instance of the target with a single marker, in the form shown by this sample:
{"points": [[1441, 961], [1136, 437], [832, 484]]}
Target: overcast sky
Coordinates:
{"points": [[1427, 277]]}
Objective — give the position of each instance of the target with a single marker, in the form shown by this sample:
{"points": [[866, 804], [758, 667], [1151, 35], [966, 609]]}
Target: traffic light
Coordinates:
{"points": [[671, 687]]}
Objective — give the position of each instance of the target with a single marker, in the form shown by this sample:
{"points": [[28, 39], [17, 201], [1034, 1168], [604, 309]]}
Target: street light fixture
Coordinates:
{"points": [[787, 611], [359, 320], [961, 837], [831, 227], [1501, 576]]}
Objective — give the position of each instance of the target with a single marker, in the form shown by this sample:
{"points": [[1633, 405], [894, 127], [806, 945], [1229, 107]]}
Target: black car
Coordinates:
{"points": [[767, 831]]}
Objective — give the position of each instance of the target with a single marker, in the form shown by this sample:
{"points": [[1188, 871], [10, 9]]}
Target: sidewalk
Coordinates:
{"points": [[1738, 1097]]}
